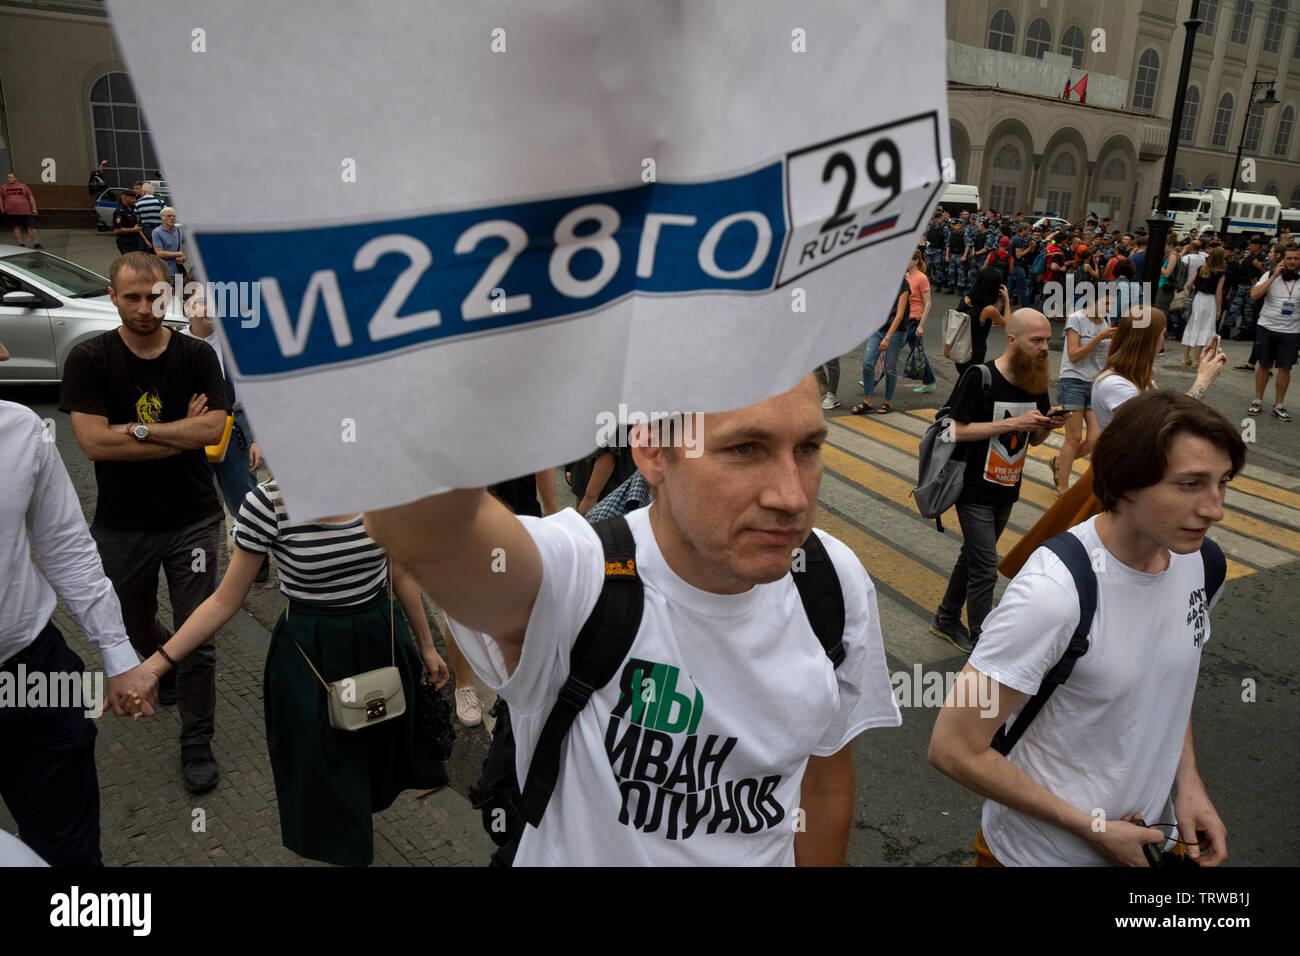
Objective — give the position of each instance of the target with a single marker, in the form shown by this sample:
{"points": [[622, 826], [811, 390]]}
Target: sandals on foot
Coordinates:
{"points": [[861, 408], [884, 409], [1056, 481]]}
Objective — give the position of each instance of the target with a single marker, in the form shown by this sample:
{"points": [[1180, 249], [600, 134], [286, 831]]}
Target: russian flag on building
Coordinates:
{"points": [[872, 228]]}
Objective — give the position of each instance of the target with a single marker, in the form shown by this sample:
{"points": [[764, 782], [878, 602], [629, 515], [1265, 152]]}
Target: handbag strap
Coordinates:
{"points": [[392, 633]]}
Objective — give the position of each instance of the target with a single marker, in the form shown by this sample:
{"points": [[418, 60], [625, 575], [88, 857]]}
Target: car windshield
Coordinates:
{"points": [[1182, 204], [63, 277]]}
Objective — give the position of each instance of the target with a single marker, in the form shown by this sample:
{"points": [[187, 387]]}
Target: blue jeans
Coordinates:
{"points": [[912, 340], [1019, 286], [233, 477], [869, 354]]}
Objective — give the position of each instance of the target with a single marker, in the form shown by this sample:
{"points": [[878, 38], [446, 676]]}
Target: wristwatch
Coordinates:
{"points": [[140, 431]]}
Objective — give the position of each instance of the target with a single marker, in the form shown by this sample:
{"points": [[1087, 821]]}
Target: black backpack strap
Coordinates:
{"points": [[601, 647], [1216, 568], [1075, 557], [822, 597]]}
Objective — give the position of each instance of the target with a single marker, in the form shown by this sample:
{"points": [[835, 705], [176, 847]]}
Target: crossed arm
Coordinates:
{"points": [[104, 442]]}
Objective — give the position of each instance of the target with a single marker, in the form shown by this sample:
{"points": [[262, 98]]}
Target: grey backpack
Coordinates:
{"points": [[941, 473]]}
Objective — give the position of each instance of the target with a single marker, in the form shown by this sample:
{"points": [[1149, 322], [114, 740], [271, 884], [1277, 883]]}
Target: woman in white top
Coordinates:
{"points": [[1132, 360], [1132, 357], [1087, 343], [1206, 287]]}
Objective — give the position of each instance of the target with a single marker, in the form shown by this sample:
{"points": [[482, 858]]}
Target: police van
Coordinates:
{"points": [[957, 199], [1202, 209]]}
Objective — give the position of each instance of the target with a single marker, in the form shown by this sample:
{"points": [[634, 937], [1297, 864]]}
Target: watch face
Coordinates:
{"points": [[141, 431]]}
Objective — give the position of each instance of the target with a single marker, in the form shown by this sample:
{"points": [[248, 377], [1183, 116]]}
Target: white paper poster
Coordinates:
{"points": [[461, 232]]}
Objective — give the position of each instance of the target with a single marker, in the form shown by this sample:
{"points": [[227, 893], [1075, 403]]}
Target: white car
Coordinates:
{"points": [[47, 306]]}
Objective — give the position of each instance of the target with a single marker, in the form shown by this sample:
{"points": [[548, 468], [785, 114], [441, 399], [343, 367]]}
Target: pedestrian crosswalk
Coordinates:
{"points": [[870, 469]]}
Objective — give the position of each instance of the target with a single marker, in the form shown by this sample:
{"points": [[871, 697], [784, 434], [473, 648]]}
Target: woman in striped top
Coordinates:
{"points": [[328, 782]]}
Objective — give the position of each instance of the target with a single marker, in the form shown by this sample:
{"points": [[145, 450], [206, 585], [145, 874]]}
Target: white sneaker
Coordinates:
{"points": [[468, 709], [830, 401]]}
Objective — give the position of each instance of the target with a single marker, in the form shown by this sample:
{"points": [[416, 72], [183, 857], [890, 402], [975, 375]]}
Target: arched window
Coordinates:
{"points": [[1254, 126], [1191, 108], [1209, 16], [1282, 144], [1008, 157], [1115, 171], [1273, 29], [1072, 46], [1222, 120], [1039, 39], [1295, 198], [1210, 181], [1002, 32], [121, 132], [1179, 181], [1270, 189], [1006, 177], [1148, 73], [1241, 22], [1064, 165]]}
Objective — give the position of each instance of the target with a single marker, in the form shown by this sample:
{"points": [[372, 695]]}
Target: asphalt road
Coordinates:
{"points": [[1247, 704]]}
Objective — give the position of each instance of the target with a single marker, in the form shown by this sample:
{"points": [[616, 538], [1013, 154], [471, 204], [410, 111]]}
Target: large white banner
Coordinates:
{"points": [[461, 231]]}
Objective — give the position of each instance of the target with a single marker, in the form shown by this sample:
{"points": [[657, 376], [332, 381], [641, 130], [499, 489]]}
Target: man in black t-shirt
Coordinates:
{"points": [[996, 432], [144, 402]]}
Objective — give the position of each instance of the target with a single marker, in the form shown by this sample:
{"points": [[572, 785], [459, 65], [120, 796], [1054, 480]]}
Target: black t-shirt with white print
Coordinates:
{"points": [[994, 465], [104, 377]]}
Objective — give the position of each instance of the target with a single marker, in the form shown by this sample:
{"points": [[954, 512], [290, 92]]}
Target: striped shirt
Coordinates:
{"points": [[333, 564], [148, 209]]}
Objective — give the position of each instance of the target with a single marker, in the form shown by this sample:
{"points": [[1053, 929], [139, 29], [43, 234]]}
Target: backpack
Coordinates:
{"points": [[1040, 264], [934, 235], [941, 473], [602, 645], [1075, 557]]}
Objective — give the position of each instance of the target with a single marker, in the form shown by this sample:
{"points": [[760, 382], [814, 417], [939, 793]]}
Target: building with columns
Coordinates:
{"points": [[1029, 150]]}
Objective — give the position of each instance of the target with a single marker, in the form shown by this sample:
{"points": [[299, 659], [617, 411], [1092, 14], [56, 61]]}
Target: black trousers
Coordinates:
{"points": [[47, 762], [188, 556]]}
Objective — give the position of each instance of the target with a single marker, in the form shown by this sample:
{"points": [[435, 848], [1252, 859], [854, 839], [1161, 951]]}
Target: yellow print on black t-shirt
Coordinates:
{"points": [[1006, 455], [148, 408]]}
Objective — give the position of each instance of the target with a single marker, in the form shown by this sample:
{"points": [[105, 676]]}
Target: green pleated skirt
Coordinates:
{"points": [[328, 782]]}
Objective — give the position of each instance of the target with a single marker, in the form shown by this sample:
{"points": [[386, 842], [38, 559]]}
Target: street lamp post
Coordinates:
{"points": [[1158, 224], [1270, 98]]}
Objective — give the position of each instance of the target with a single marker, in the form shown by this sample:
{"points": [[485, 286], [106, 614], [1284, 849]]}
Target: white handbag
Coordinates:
{"points": [[366, 699], [956, 336]]}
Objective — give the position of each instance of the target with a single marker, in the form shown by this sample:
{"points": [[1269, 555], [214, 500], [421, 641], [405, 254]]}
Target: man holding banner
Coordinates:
{"points": [[761, 772]]}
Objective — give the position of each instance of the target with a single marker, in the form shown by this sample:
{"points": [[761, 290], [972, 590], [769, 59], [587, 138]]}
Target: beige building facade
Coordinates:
{"points": [[1030, 151], [65, 97]]}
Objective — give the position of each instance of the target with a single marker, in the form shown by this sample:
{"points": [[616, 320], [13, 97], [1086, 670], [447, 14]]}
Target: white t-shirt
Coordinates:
{"points": [[736, 687], [1194, 261], [1282, 297], [1112, 735], [1108, 393], [1090, 366]]}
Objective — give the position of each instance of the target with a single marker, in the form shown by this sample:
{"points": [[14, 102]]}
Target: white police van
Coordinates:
{"points": [[1205, 208], [958, 198]]}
